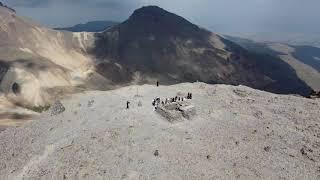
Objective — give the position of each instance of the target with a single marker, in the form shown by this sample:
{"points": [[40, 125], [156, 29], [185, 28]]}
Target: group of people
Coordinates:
{"points": [[157, 101], [189, 96]]}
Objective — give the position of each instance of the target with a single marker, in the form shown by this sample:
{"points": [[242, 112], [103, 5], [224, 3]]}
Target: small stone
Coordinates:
{"points": [[208, 156], [255, 131], [267, 148], [90, 103]]}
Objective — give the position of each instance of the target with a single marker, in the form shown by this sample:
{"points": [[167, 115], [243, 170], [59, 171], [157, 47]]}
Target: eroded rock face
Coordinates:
{"points": [[57, 108], [3, 69]]}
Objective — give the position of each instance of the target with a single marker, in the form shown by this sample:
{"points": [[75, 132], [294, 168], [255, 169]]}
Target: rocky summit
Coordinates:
{"points": [[235, 132]]}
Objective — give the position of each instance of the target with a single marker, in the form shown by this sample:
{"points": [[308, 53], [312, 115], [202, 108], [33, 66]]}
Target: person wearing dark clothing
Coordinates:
{"points": [[128, 104], [158, 100], [157, 83]]}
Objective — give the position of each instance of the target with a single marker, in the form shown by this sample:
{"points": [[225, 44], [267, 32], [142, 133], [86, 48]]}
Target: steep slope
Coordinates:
{"points": [[157, 44], [237, 133], [40, 59], [308, 55], [92, 26], [303, 59]]}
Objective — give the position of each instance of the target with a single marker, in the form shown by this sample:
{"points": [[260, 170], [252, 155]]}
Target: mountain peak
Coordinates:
{"points": [[154, 19], [151, 10], [152, 14]]}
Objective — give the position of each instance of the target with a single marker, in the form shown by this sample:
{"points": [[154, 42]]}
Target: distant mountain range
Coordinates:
{"points": [[305, 60], [93, 26], [296, 39], [3, 5]]}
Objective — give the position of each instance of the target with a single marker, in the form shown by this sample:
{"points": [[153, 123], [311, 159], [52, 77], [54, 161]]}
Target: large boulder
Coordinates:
{"points": [[177, 111]]}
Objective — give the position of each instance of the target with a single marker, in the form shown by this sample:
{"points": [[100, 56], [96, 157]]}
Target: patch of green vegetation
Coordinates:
{"points": [[39, 109]]}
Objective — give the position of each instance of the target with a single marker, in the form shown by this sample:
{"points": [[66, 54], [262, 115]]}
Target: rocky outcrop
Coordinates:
{"points": [[314, 95], [57, 108], [177, 111]]}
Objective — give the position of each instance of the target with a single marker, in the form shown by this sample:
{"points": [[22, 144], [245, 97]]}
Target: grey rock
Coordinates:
{"points": [[57, 108], [90, 103]]}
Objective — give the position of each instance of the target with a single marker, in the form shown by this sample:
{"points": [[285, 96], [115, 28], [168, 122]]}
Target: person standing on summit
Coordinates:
{"points": [[157, 83], [128, 103]]}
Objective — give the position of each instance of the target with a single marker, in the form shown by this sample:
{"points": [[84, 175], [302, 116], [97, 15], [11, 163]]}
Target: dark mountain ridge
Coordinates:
{"points": [[161, 45], [92, 26], [3, 5]]}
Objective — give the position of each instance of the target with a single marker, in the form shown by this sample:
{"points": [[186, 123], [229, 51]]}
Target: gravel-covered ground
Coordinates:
{"points": [[238, 133]]}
